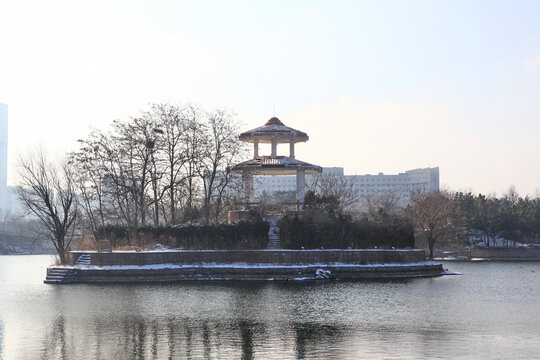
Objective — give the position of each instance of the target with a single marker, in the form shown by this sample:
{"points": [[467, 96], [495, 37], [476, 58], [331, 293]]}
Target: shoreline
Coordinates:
{"points": [[243, 265], [241, 272]]}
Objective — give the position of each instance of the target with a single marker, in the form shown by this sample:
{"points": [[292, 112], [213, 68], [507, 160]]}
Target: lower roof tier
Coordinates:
{"points": [[280, 165]]}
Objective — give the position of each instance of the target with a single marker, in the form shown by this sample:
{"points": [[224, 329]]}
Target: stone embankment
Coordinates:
{"points": [[246, 265], [242, 265], [499, 253], [271, 257], [522, 253]]}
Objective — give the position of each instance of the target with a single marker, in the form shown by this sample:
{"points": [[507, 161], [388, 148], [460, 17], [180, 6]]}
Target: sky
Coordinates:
{"points": [[379, 86]]}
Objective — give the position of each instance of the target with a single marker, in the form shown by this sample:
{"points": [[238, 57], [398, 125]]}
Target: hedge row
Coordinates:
{"points": [[240, 235], [341, 232]]}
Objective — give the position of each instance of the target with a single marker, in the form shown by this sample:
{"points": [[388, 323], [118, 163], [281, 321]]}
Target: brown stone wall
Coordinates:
{"points": [[256, 274], [284, 257], [506, 253], [235, 215]]}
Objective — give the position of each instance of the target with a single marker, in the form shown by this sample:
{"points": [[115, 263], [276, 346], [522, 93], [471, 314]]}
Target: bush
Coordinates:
{"points": [[240, 235], [317, 229]]}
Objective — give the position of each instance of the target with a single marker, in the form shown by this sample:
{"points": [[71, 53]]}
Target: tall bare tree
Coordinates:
{"points": [[89, 183], [120, 189], [221, 150], [335, 186], [172, 125], [431, 213], [138, 145], [48, 192], [388, 202], [194, 140], [163, 166]]}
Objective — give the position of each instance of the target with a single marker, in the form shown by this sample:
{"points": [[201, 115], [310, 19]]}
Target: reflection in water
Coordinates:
{"points": [[206, 340], [188, 340], [1, 338], [137, 338], [492, 311], [309, 334], [54, 342], [246, 334]]}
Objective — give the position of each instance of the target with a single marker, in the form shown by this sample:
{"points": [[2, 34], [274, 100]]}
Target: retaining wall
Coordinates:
{"points": [[275, 273], [506, 253], [275, 257]]}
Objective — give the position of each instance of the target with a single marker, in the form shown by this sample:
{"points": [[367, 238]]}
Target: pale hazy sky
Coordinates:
{"points": [[378, 85]]}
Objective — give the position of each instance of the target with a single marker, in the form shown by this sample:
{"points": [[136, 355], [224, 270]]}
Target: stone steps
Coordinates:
{"points": [[84, 259], [273, 233], [60, 276]]}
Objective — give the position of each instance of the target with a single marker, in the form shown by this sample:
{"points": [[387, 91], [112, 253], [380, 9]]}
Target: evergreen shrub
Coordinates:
{"points": [[307, 231], [322, 224], [240, 235]]}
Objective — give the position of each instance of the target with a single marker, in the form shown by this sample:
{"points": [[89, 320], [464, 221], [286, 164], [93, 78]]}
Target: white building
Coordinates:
{"points": [[426, 179]]}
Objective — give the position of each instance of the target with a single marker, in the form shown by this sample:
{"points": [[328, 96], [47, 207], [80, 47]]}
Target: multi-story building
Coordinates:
{"points": [[426, 179]]}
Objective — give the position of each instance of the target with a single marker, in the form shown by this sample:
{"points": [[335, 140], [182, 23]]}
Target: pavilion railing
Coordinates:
{"points": [[280, 207]]}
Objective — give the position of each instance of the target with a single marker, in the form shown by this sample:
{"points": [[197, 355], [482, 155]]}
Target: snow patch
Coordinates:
{"points": [[241, 265], [321, 274]]}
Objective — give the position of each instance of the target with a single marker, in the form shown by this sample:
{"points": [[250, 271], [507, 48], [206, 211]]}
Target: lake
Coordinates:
{"points": [[492, 311]]}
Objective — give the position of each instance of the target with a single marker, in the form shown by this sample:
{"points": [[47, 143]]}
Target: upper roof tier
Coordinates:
{"points": [[274, 128]]}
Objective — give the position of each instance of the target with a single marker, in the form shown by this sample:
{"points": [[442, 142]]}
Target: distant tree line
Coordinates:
{"points": [[497, 221], [434, 218]]}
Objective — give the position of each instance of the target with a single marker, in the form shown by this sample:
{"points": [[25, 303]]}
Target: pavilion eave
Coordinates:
{"points": [[281, 165]]}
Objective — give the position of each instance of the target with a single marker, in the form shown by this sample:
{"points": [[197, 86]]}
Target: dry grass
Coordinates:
{"points": [[85, 244], [128, 248]]}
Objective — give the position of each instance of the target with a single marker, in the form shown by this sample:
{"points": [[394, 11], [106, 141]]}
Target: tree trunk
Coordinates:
{"points": [[63, 255]]}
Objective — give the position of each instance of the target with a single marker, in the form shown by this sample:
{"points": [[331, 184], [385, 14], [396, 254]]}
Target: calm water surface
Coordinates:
{"points": [[491, 312]]}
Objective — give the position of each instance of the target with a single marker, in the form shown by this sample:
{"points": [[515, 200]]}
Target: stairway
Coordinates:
{"points": [[84, 259], [60, 276], [273, 232]]}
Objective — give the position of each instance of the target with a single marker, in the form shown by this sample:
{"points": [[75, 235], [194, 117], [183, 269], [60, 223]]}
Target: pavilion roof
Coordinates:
{"points": [[274, 128], [280, 165]]}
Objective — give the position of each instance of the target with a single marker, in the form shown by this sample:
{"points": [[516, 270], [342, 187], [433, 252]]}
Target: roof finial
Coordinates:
{"points": [[274, 121]]}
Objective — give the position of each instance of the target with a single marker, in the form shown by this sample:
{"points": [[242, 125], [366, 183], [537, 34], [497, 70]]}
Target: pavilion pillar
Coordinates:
{"points": [[274, 147], [291, 146], [247, 187], [255, 148], [300, 188]]}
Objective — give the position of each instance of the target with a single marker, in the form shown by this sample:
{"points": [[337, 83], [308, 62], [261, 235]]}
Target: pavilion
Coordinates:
{"points": [[274, 132]]}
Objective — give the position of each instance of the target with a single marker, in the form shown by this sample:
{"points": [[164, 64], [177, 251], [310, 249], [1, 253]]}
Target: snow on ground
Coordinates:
{"points": [[240, 265], [266, 250]]}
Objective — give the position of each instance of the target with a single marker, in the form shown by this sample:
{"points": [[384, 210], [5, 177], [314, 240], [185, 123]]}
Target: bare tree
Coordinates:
{"points": [[119, 193], [388, 201], [89, 182], [172, 125], [168, 161], [431, 214], [337, 186], [138, 143], [194, 138], [48, 192], [221, 150]]}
